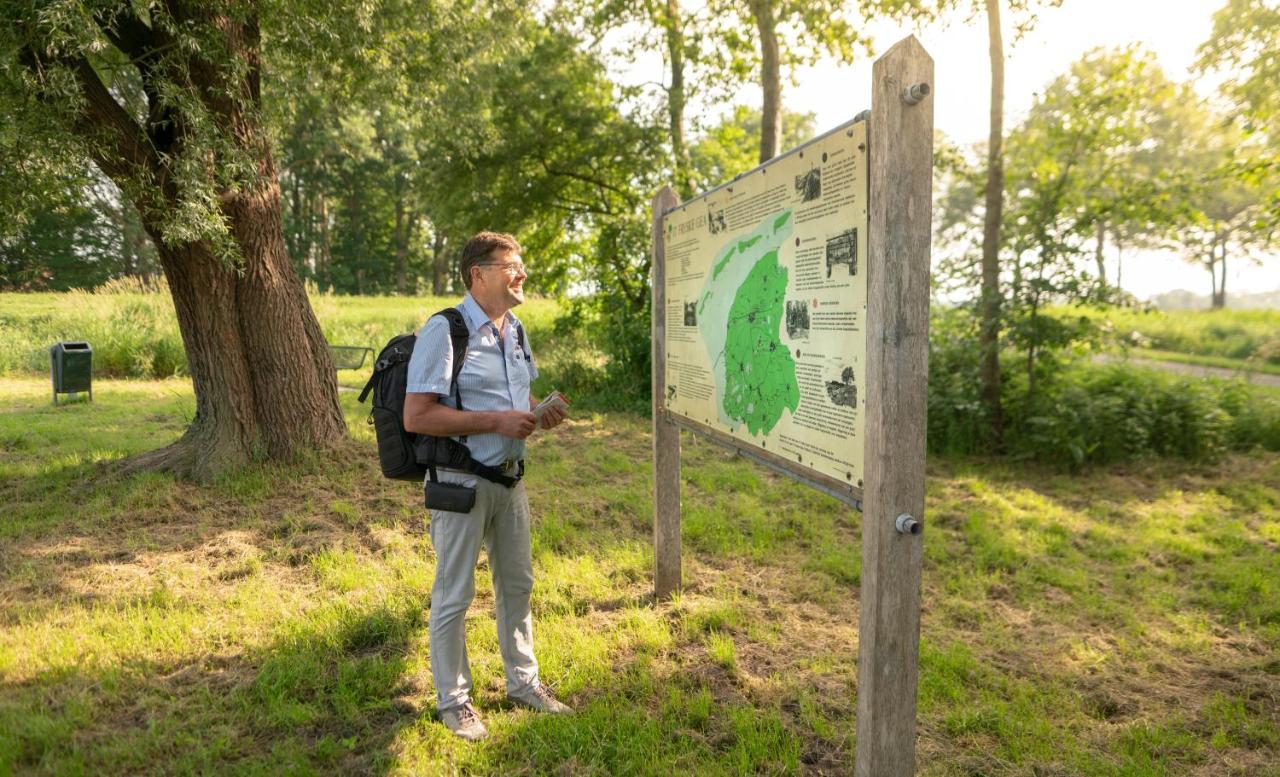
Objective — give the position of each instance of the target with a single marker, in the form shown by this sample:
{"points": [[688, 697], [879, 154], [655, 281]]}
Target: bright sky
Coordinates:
{"points": [[1172, 30]]}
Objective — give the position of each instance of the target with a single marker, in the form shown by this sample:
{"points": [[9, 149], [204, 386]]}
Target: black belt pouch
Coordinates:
{"points": [[450, 497]]}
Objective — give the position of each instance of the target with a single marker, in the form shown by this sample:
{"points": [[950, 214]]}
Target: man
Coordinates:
{"points": [[494, 422]]}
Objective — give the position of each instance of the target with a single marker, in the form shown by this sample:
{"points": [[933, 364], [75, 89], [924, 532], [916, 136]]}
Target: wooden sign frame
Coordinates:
{"points": [[900, 153]]}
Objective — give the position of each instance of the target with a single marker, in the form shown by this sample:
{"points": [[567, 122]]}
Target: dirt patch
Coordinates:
{"points": [[191, 536]]}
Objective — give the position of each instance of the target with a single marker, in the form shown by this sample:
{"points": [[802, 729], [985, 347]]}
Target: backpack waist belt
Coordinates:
{"points": [[449, 453]]}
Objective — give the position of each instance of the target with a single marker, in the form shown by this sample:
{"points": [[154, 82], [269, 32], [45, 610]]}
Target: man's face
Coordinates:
{"points": [[500, 278]]}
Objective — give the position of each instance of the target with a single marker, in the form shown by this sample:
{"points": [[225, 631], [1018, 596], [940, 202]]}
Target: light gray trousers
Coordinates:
{"points": [[500, 520]]}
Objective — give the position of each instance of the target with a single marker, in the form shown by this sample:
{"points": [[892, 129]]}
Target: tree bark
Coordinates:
{"points": [[264, 379], [770, 80], [989, 331], [673, 25]]}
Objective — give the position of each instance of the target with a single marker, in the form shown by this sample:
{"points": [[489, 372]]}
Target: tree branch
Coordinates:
{"points": [[115, 141], [581, 177], [143, 45]]}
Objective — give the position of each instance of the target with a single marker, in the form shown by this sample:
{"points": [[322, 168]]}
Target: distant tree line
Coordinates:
{"points": [[241, 149]]}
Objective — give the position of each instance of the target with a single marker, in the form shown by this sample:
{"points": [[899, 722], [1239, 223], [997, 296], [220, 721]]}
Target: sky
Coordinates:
{"points": [[1171, 29]]}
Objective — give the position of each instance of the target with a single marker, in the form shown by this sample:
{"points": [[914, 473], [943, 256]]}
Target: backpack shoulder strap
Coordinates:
{"points": [[458, 337], [398, 350]]}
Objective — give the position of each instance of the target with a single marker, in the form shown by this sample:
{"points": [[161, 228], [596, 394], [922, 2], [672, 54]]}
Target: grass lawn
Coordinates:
{"points": [[1123, 621]]}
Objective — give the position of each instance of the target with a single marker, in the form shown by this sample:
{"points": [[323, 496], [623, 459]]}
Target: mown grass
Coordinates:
{"points": [[1120, 621]]}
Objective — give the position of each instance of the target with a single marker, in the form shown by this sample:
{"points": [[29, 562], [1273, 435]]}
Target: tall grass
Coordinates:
{"points": [[1236, 334], [134, 331]]}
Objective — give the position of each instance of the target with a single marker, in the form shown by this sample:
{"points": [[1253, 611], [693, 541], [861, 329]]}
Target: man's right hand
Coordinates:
{"points": [[516, 424]]}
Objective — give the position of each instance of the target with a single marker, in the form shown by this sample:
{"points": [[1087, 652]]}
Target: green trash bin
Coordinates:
{"points": [[72, 367]]}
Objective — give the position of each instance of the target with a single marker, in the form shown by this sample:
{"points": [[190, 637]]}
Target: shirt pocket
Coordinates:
{"points": [[521, 377], [481, 376]]}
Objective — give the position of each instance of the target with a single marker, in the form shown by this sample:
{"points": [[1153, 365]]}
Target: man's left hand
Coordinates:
{"points": [[552, 417]]}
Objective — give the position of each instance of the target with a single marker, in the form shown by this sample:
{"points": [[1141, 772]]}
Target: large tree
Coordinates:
{"points": [[166, 100], [1226, 216], [990, 300], [787, 34], [685, 38], [1244, 48]]}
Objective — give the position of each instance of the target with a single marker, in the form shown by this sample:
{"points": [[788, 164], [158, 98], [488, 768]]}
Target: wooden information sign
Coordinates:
{"points": [[791, 324]]}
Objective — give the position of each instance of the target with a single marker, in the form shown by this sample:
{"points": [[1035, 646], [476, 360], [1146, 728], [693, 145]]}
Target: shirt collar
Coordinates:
{"points": [[475, 316]]}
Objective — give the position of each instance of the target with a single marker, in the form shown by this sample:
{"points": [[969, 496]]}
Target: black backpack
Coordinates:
{"points": [[402, 454]]}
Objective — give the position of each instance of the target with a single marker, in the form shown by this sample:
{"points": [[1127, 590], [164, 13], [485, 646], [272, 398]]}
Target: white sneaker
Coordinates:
{"points": [[540, 699], [464, 722]]}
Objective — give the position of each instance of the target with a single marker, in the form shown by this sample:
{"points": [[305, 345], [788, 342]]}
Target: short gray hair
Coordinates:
{"points": [[479, 248]]}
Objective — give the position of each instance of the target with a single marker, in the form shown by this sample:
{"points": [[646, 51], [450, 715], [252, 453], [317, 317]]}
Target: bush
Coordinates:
{"points": [[1111, 413], [958, 423], [599, 354], [1082, 412]]}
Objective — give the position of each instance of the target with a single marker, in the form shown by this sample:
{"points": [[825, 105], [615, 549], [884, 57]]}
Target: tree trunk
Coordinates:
{"points": [[989, 332], [402, 246], [439, 263], [1220, 293], [1119, 261], [324, 253], [263, 376], [770, 80], [1098, 258], [674, 27]]}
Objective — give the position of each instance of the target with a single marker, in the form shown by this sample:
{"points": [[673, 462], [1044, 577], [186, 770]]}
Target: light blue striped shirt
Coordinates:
{"points": [[496, 376]]}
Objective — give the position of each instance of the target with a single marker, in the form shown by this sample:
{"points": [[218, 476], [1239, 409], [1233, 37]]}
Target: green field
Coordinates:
{"points": [[1125, 622]]}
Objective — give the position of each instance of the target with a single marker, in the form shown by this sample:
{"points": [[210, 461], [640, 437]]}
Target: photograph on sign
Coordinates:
{"points": [[766, 295]]}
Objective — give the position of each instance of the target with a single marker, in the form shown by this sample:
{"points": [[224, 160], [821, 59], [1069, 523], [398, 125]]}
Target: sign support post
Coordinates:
{"points": [[666, 435], [900, 136]]}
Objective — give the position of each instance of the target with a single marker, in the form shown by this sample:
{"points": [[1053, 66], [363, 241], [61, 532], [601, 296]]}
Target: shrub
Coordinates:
{"points": [[599, 354], [1109, 413], [1082, 412], [958, 423], [133, 332]]}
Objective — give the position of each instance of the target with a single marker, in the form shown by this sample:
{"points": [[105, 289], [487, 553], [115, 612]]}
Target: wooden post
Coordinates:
{"points": [[900, 134], [666, 435]]}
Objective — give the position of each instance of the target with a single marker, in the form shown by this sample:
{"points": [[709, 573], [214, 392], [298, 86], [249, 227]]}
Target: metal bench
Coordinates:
{"points": [[349, 357]]}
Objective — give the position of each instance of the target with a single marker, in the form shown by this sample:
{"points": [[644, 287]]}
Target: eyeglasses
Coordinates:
{"points": [[510, 268]]}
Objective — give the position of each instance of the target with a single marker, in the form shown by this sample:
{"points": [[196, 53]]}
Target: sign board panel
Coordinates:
{"points": [[766, 300]]}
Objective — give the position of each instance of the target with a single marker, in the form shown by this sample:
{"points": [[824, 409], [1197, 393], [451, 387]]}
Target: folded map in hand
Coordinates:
{"points": [[554, 399]]}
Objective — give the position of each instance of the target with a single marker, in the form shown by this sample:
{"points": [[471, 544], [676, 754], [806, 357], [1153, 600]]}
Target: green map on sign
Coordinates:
{"points": [[740, 311]]}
